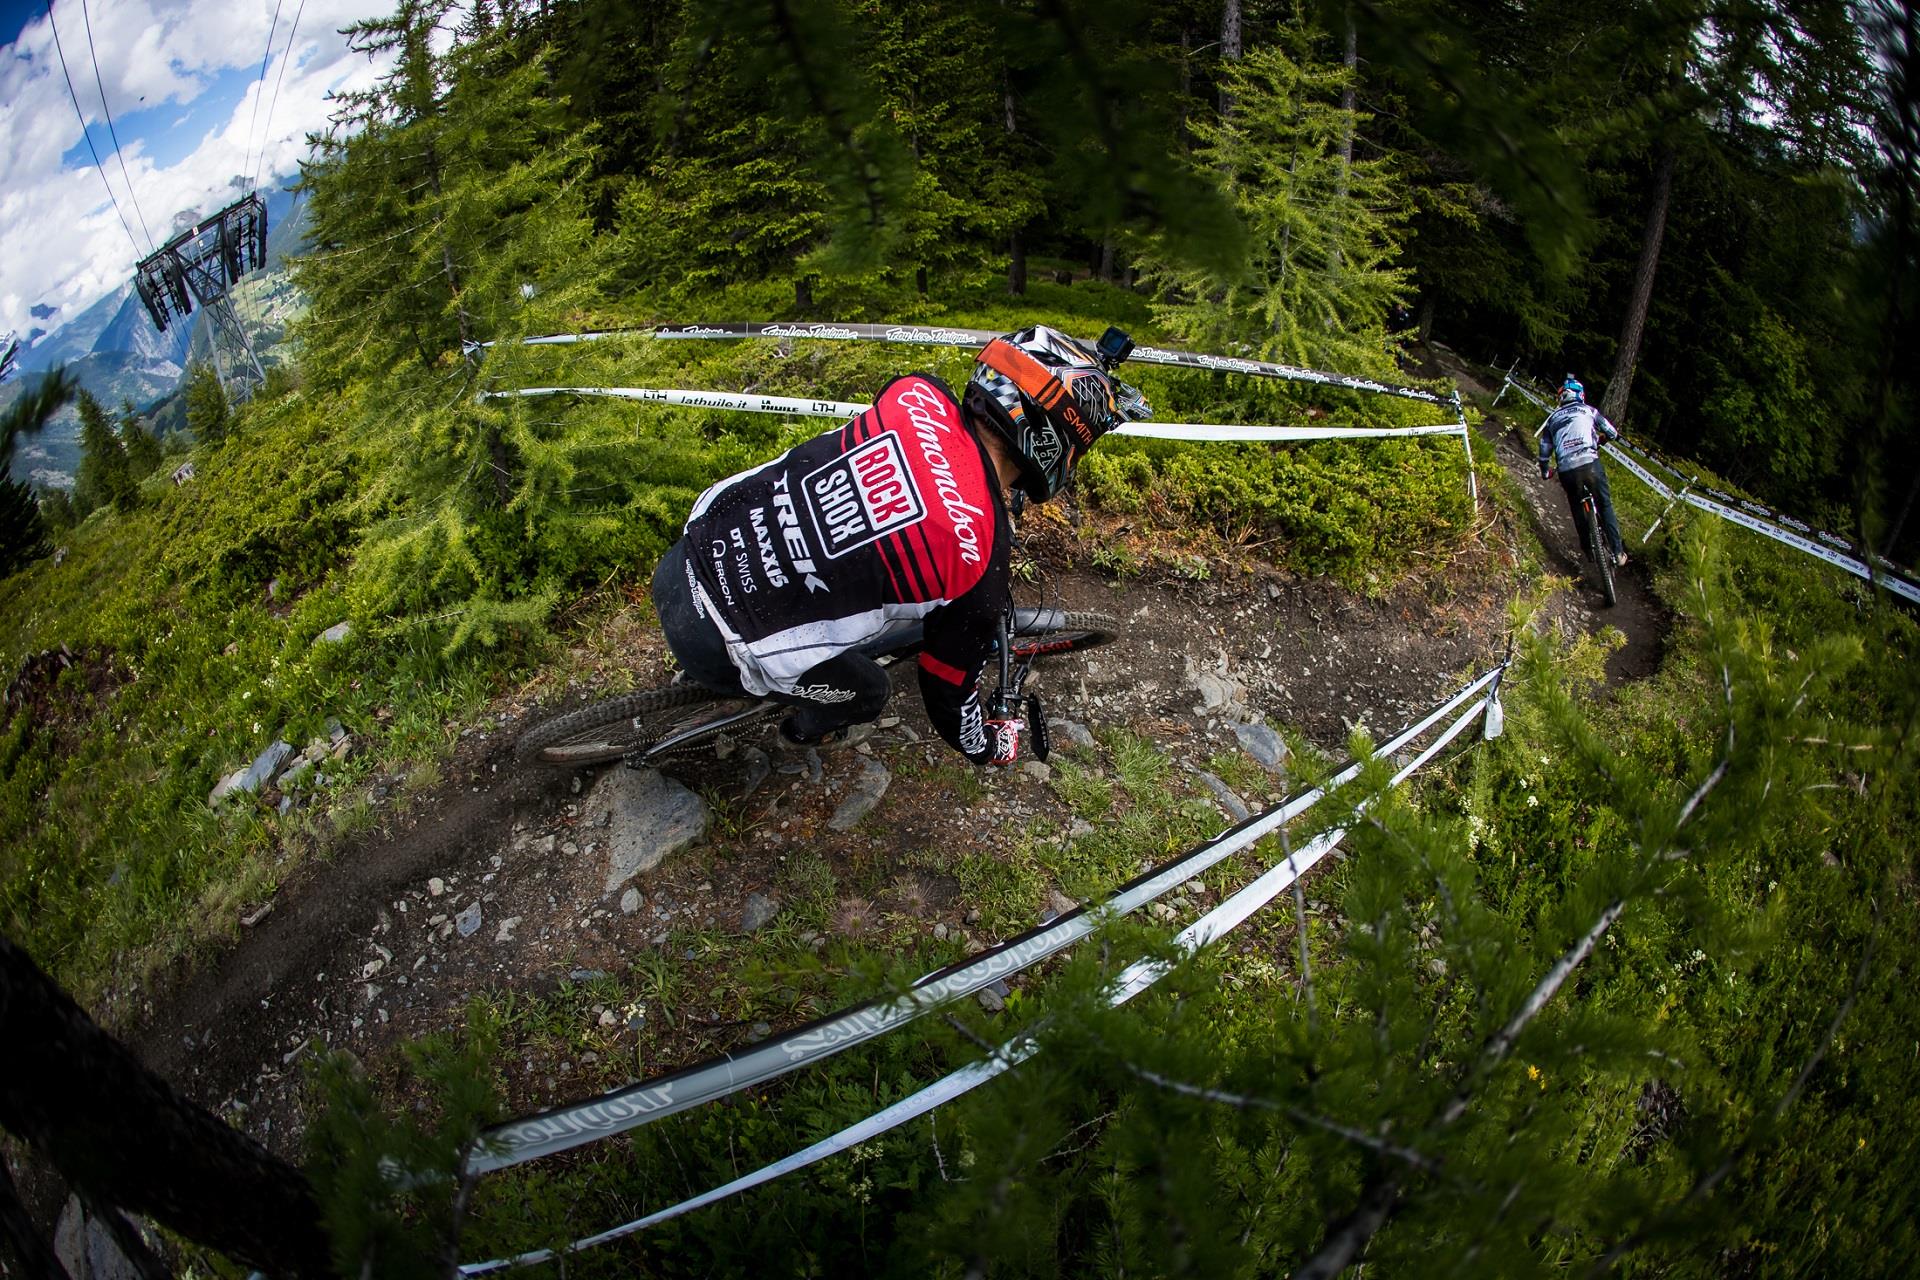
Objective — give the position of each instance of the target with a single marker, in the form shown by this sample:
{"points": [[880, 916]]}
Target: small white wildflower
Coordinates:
{"points": [[245, 694], [1533, 802]]}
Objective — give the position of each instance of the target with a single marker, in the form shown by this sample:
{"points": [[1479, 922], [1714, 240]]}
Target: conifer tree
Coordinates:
{"points": [[1324, 231], [208, 415], [104, 477], [143, 451], [56, 508], [442, 191], [23, 531]]}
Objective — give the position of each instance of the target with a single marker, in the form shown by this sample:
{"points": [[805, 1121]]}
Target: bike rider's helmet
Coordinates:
{"points": [[1571, 392], [1050, 397]]}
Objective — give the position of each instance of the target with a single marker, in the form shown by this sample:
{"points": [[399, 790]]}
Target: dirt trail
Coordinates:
{"points": [[365, 950], [1638, 613]]}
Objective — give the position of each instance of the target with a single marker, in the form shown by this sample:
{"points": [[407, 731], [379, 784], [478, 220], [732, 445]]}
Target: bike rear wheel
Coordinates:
{"points": [[1602, 557], [655, 724]]}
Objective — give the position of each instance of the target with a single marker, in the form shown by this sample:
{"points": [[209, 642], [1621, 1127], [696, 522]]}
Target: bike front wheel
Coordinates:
{"points": [[1041, 633]]}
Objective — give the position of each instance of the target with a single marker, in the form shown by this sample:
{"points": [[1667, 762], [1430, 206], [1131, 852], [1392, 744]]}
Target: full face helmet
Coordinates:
{"points": [[1049, 397], [1571, 392]]}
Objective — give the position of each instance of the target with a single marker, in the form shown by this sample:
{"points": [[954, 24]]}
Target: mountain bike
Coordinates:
{"points": [[646, 728], [1592, 544]]}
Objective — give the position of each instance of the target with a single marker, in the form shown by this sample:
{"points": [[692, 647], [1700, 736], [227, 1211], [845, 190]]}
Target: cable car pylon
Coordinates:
{"points": [[201, 265]]}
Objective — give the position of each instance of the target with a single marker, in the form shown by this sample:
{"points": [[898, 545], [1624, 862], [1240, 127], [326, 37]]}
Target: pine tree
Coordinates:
{"points": [[56, 508], [1325, 230], [208, 416], [442, 191], [143, 451], [104, 478], [23, 531]]}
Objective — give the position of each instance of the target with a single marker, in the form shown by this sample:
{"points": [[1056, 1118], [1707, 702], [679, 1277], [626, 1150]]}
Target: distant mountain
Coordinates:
{"points": [[77, 336]]}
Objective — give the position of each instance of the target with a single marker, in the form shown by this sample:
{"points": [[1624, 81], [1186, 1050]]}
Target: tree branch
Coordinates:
{"points": [[1248, 1102]]}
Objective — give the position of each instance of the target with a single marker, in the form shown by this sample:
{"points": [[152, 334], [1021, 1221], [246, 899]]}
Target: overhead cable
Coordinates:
{"points": [[75, 99], [286, 57], [107, 111]]}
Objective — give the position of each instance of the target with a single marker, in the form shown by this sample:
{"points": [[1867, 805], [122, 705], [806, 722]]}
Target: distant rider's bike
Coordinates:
{"points": [[1592, 544], [646, 728]]}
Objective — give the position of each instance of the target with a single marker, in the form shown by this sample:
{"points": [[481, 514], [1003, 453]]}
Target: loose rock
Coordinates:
{"points": [[758, 912], [468, 921], [1263, 744], [648, 817], [866, 793], [630, 902], [1236, 807]]}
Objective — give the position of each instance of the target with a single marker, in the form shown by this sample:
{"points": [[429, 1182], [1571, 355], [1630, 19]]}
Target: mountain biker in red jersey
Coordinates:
{"points": [[1572, 435], [899, 517]]}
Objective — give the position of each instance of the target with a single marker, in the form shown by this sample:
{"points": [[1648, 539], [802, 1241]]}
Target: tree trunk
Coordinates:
{"points": [[1017, 247], [1229, 47], [1106, 268], [803, 296], [124, 1137], [920, 281], [1349, 101], [1614, 406]]}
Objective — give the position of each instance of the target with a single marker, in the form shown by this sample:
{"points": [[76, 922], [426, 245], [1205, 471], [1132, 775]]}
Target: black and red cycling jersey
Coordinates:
{"points": [[893, 519]]}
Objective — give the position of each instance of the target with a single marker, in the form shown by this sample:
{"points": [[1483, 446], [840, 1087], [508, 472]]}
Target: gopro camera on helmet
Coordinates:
{"points": [[1113, 347]]}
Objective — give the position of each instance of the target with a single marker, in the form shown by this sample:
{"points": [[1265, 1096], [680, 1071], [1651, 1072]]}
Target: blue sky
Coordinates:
{"points": [[192, 110]]}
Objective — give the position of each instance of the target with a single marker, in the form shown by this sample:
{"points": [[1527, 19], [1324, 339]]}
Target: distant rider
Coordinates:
{"points": [[898, 517], [1573, 433]]}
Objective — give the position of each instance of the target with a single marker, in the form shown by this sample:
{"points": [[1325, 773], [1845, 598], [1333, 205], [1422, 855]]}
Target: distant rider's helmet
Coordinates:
{"points": [[1571, 392], [1049, 397]]}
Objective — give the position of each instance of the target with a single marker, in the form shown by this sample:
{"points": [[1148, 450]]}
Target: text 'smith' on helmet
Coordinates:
{"points": [[1049, 397]]}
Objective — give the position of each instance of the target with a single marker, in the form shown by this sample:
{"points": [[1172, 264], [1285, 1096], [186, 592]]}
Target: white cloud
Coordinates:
{"points": [[66, 245]]}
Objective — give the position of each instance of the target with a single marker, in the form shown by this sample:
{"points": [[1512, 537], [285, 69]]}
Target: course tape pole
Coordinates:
{"points": [[564, 1128], [1214, 433], [941, 336], [1133, 980]]}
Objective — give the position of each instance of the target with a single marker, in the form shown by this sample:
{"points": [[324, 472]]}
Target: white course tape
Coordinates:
{"points": [[942, 336], [593, 1119], [1136, 978], [745, 403], [1893, 578], [1620, 456], [1217, 433], [1247, 435], [1899, 586]]}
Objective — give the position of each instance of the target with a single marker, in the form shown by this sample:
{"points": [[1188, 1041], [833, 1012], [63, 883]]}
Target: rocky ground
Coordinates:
{"points": [[506, 885]]}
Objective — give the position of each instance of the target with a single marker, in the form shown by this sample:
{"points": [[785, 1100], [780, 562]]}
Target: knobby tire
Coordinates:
{"points": [[1048, 632], [1602, 557], [613, 729], [634, 723]]}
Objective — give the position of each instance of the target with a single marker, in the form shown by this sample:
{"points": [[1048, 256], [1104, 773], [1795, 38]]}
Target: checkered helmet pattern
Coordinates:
{"points": [[1049, 398]]}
